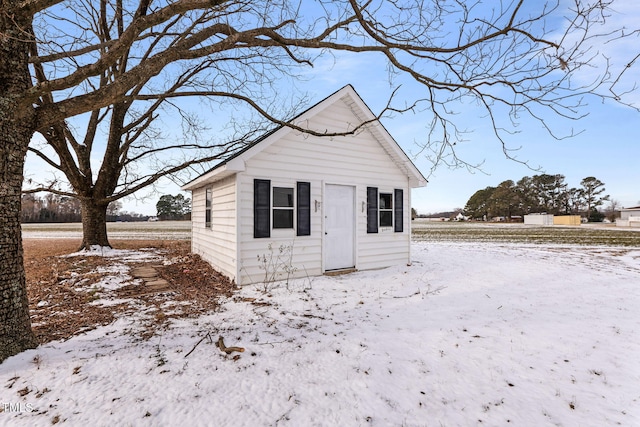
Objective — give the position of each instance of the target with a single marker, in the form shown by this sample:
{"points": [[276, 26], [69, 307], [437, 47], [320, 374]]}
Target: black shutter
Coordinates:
{"points": [[372, 209], [303, 222], [398, 211], [261, 208]]}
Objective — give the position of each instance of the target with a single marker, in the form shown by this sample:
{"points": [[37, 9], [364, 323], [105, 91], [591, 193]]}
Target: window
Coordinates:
{"points": [[282, 207], [207, 207], [384, 210], [280, 204]]}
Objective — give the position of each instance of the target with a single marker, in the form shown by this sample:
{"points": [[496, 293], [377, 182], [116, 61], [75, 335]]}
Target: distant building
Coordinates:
{"points": [[538, 219], [629, 217], [548, 219], [460, 217], [567, 220]]}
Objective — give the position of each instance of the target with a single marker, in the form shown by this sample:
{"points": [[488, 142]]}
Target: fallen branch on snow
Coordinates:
{"points": [[226, 349], [219, 344], [429, 291], [198, 343]]}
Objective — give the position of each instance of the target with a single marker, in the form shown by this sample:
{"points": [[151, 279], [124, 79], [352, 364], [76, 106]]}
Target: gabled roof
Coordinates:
{"points": [[236, 162]]}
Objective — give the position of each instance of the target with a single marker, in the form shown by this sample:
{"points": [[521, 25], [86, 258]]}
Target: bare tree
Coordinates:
{"points": [[613, 210], [118, 66], [237, 50]]}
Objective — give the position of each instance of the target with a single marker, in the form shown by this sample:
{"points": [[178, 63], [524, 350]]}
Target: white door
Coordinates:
{"points": [[339, 227]]}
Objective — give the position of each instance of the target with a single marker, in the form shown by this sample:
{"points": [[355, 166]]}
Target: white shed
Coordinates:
{"points": [[317, 204], [629, 217], [538, 219]]}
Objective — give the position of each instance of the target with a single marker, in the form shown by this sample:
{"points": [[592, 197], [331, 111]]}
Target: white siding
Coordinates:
{"points": [[217, 244], [628, 213], [357, 160], [307, 252]]}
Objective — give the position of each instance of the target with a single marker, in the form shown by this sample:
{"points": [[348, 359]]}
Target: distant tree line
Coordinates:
{"points": [[55, 208], [538, 194]]}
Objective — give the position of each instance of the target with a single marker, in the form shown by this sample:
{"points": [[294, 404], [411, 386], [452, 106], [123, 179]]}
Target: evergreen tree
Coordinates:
{"points": [[591, 193], [173, 207], [479, 203]]}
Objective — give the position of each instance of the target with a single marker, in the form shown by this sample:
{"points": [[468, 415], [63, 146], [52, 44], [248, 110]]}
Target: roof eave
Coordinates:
{"points": [[230, 168]]}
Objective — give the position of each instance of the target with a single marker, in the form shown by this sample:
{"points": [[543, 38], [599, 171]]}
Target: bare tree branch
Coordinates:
{"points": [[127, 67]]}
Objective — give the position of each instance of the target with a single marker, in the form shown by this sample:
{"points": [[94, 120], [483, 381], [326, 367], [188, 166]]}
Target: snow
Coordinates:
{"points": [[145, 254], [469, 334], [114, 276]]}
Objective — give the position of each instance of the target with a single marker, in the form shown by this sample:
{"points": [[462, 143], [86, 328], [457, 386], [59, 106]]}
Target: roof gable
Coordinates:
{"points": [[361, 111]]}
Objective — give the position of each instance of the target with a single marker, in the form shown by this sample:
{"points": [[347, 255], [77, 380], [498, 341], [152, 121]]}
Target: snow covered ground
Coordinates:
{"points": [[470, 334]]}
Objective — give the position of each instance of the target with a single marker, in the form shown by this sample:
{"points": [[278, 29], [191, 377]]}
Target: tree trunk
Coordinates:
{"points": [[94, 224], [15, 326], [16, 130]]}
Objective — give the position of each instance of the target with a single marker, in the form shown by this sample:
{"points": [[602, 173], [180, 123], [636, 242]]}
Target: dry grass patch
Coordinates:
{"points": [[61, 289]]}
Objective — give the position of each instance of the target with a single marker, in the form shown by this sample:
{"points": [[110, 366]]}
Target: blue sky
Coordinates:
{"points": [[606, 146]]}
